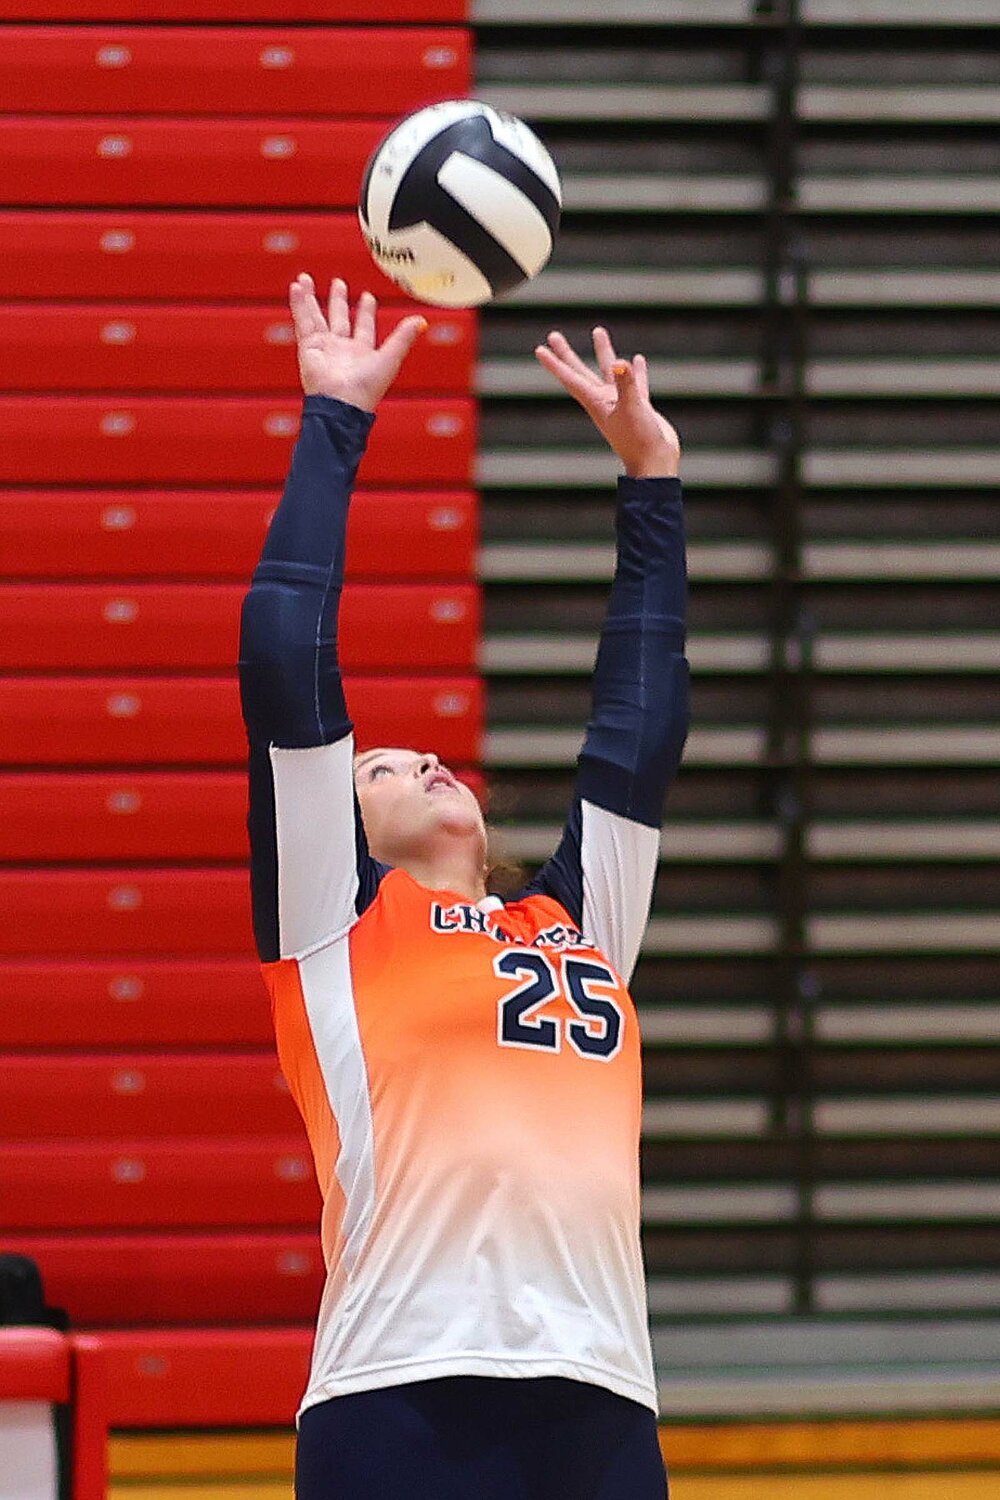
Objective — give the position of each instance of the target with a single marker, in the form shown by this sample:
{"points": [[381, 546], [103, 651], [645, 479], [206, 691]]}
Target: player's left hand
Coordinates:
{"points": [[616, 399], [338, 360]]}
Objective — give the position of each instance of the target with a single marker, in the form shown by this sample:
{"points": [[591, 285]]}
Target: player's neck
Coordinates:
{"points": [[449, 870]]}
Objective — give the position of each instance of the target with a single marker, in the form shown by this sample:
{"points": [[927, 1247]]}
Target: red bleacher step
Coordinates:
{"points": [[326, 71], [88, 1095], [158, 815], [185, 626], [129, 1280], [168, 913], [218, 533], [135, 348], [172, 162], [172, 256], [159, 720], [327, 11], [137, 1002], [241, 1377], [230, 440], [144, 1184]]}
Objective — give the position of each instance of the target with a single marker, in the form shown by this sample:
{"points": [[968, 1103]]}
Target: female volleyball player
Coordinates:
{"points": [[468, 1070]]}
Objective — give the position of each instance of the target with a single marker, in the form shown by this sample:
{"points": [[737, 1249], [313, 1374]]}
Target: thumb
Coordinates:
{"points": [[401, 340], [625, 382]]}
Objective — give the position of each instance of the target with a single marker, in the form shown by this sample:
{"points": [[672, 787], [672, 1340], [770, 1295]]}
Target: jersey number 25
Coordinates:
{"points": [[597, 1027]]}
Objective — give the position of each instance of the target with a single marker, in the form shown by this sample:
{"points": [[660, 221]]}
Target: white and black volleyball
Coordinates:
{"points": [[460, 203]]}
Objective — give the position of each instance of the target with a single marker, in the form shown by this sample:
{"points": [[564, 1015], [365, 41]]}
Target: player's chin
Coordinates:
{"points": [[458, 813]]}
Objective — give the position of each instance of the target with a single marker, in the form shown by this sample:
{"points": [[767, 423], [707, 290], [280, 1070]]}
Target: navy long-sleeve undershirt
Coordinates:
{"points": [[290, 680]]}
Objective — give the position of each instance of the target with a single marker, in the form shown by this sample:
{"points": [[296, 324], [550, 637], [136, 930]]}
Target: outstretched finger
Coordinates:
{"points": [[604, 352], [338, 315], [563, 349], [364, 320], [583, 388], [307, 315]]}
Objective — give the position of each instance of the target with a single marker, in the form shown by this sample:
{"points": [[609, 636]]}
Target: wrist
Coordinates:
{"points": [[663, 466]]}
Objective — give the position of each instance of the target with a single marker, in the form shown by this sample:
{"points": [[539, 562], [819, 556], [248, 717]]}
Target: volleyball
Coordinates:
{"points": [[460, 203]]}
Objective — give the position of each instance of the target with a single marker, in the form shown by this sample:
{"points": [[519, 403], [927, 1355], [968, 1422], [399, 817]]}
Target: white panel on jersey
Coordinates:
{"points": [[314, 822], [496, 204], [619, 860], [29, 1467], [329, 1000]]}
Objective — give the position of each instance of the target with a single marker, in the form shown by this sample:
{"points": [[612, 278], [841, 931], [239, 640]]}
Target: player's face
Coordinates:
{"points": [[408, 800]]}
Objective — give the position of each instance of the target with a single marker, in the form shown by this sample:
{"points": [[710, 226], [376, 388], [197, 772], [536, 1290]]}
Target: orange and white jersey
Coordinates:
{"points": [[469, 1075], [470, 1081]]}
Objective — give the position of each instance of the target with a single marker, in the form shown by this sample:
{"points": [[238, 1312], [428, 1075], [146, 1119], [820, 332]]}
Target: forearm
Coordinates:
{"points": [[289, 674], [640, 706]]}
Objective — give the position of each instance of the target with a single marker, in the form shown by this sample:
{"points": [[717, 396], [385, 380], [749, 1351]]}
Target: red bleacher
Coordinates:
{"points": [[329, 11], [139, 348], [176, 1278], [143, 816], [123, 1184], [195, 70], [287, 161], [167, 1377], [89, 1095], [164, 179], [218, 440], [135, 533], [199, 257], [70, 911], [126, 1002], [196, 720], [187, 627]]}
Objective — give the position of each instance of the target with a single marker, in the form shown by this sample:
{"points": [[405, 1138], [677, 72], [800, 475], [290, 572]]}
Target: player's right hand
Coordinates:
{"points": [[338, 360]]}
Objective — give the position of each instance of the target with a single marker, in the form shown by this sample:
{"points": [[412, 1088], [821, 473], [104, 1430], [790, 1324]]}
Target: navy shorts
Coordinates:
{"points": [[476, 1438]]}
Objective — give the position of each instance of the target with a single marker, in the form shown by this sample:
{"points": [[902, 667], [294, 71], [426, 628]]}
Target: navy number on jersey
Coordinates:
{"points": [[597, 1026]]}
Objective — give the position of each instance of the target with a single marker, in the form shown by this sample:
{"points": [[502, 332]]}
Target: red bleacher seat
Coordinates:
{"points": [[87, 1096], [204, 1377], [125, 1002], [227, 70], [70, 912], [158, 720], [136, 348], [399, 11], [148, 815], [125, 1281], [189, 626], [227, 440], [135, 1184], [131, 160], [168, 256], [218, 533]]}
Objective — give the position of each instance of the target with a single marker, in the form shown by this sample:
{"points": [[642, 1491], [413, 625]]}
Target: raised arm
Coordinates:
{"points": [[605, 865], [310, 868]]}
